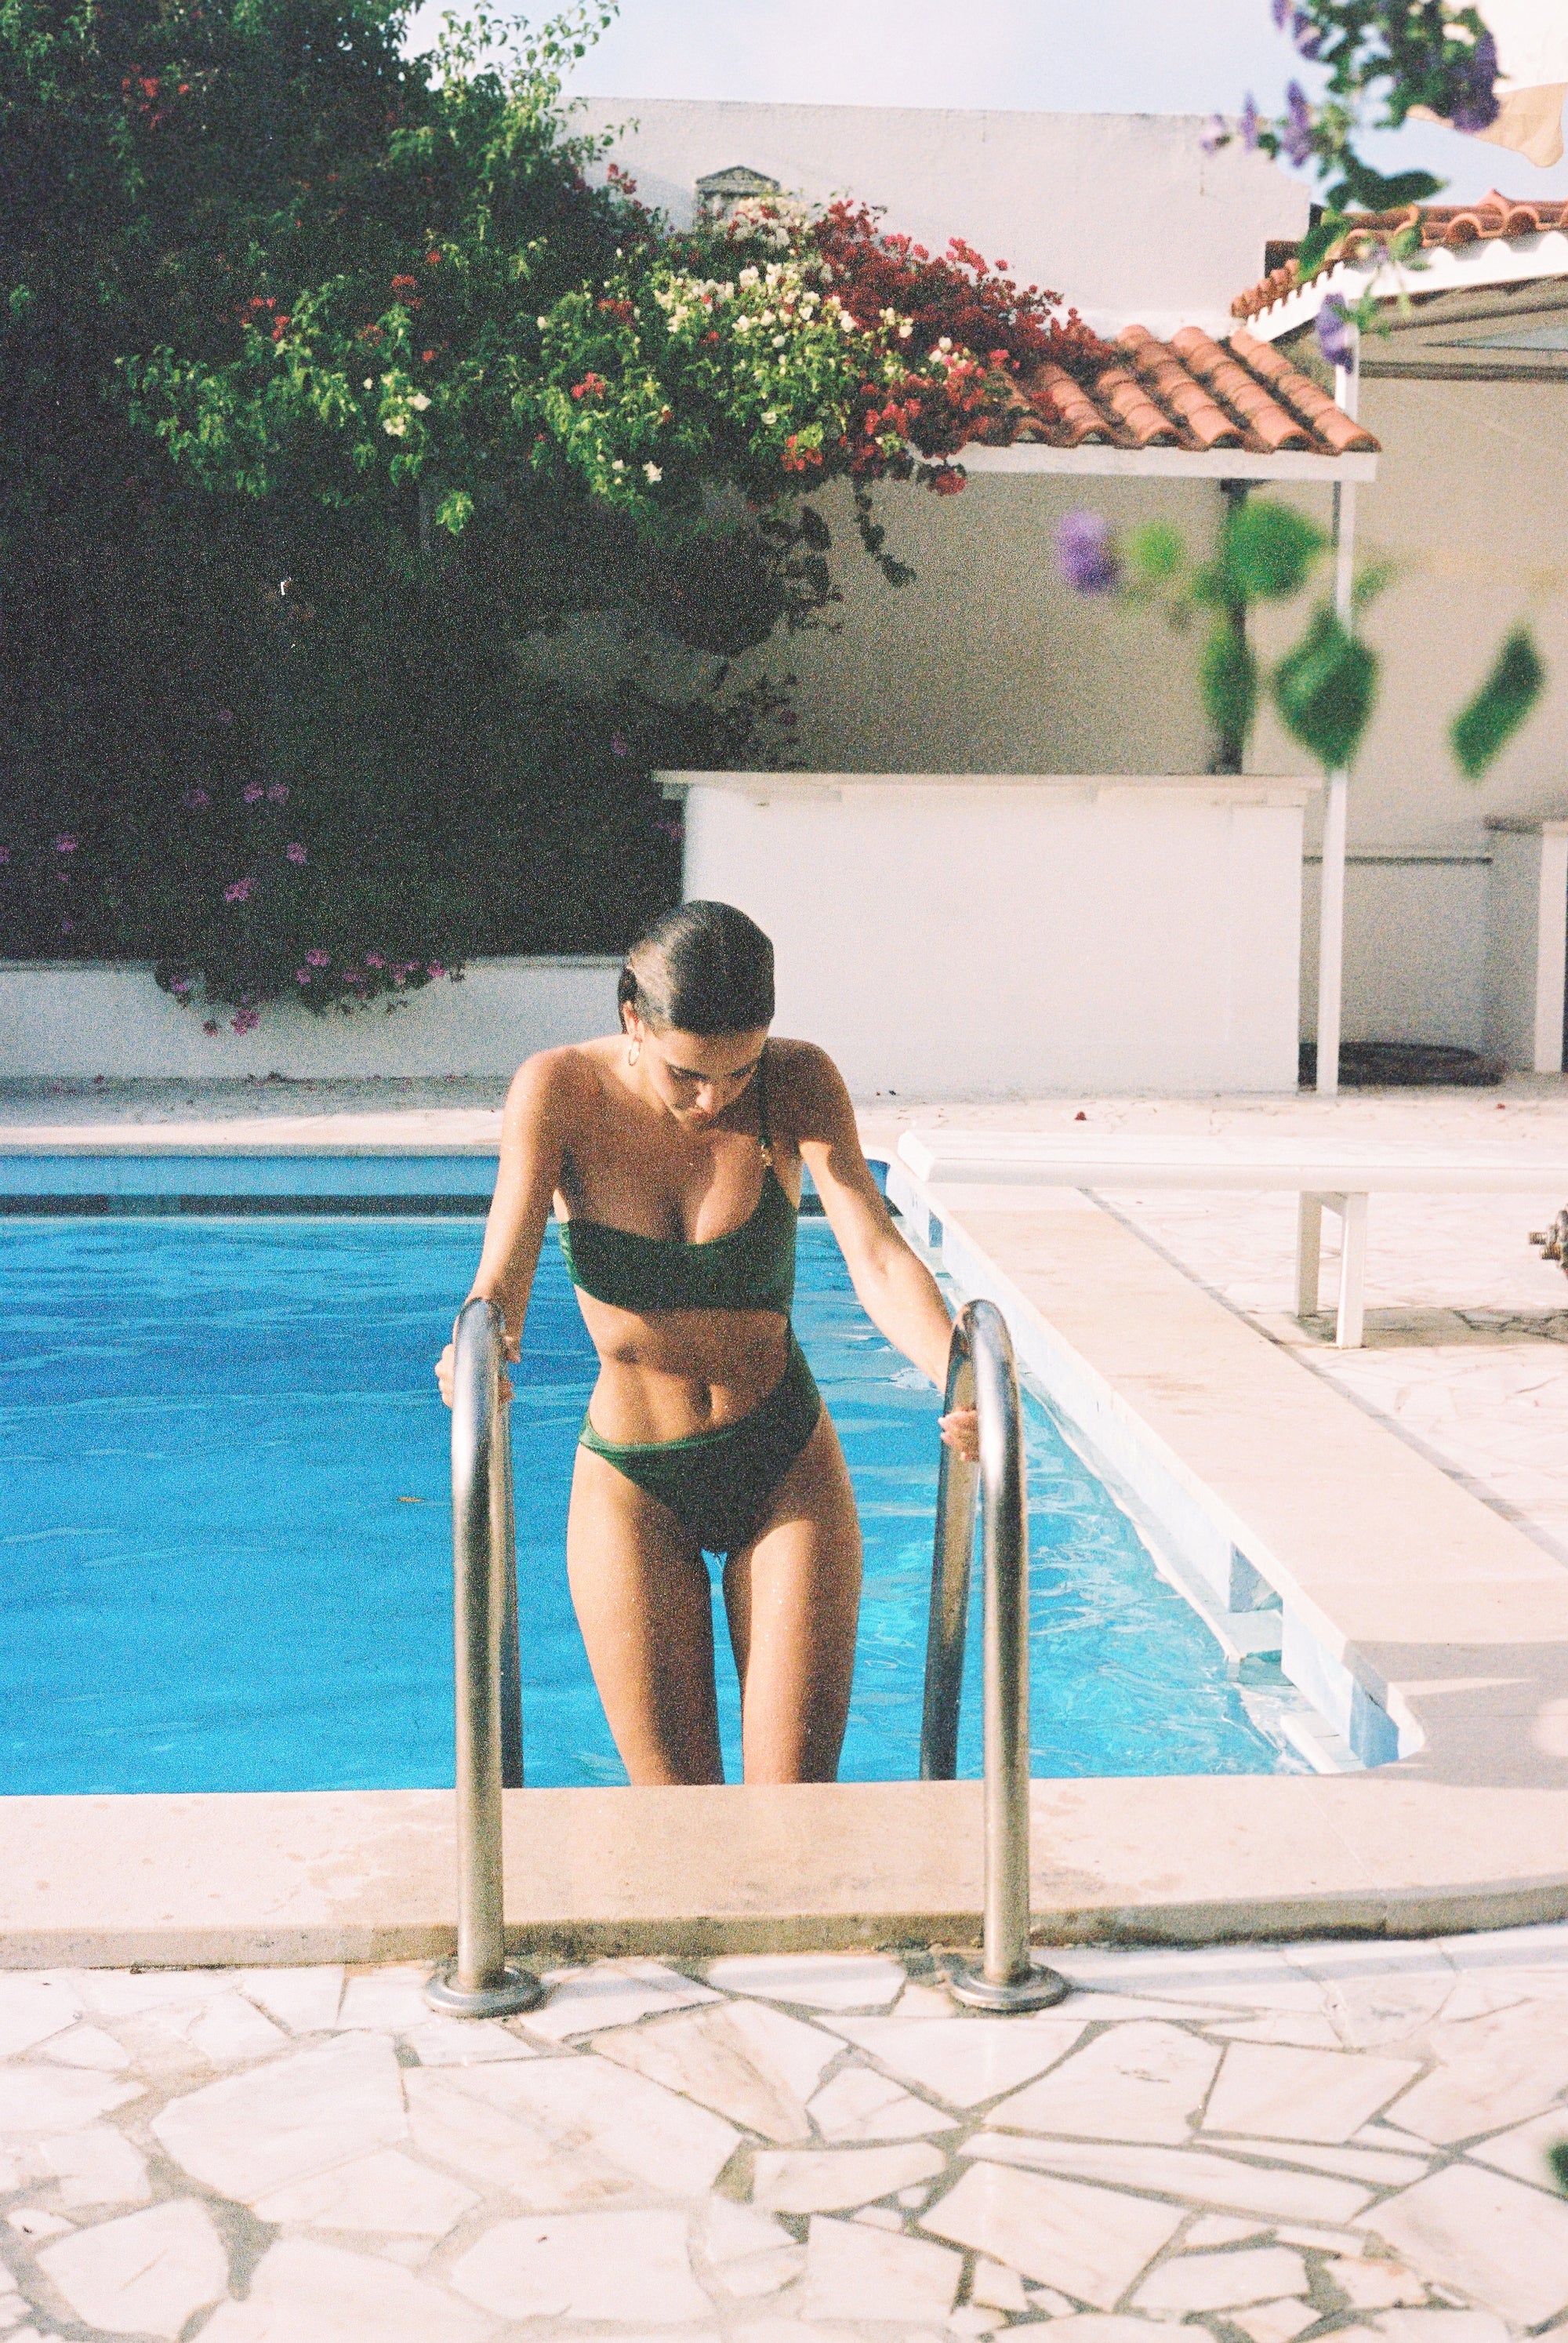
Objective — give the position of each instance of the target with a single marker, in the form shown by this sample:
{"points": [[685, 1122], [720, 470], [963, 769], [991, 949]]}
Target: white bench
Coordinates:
{"points": [[1334, 1178]]}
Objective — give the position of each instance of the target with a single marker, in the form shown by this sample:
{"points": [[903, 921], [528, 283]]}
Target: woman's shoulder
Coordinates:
{"points": [[805, 1091], [562, 1083]]}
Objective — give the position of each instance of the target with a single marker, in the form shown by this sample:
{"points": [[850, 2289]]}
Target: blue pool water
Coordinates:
{"points": [[225, 1541]]}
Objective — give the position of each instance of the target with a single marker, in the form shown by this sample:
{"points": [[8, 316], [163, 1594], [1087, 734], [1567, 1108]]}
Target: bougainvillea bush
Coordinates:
{"points": [[334, 383]]}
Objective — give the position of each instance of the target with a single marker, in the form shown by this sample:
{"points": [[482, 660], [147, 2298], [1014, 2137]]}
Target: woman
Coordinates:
{"points": [[674, 1153]]}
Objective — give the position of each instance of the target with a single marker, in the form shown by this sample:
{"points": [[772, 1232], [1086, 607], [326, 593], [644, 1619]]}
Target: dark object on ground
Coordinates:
{"points": [[1403, 1065], [1553, 1242]]}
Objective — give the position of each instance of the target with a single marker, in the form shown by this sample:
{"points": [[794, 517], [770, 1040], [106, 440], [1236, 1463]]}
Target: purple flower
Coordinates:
{"points": [[302, 975], [1250, 126], [181, 986], [194, 801], [1086, 553], [254, 793], [225, 716], [375, 960], [354, 976], [1336, 332], [435, 968], [296, 852], [1280, 10], [246, 1020], [239, 892], [1307, 37], [318, 959], [4, 854], [1215, 134], [66, 843], [619, 746], [1475, 100], [1296, 133], [277, 793], [67, 926]]}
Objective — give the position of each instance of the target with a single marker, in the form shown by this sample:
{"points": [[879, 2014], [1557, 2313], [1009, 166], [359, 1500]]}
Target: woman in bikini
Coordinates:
{"points": [[674, 1153]]}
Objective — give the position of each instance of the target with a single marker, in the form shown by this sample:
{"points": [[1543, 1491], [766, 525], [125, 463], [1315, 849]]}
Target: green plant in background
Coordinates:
{"points": [[332, 390], [1324, 687]]}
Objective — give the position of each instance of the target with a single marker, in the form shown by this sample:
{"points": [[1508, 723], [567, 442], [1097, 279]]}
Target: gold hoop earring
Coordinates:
{"points": [[633, 1054]]}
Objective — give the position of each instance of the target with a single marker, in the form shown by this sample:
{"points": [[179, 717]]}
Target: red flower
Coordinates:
{"points": [[403, 284], [428, 357]]}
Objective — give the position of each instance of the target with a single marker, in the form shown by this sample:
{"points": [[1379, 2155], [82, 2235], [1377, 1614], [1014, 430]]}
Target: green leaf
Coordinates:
{"points": [[1155, 553], [1375, 193], [1483, 728], [1557, 2157], [1267, 549], [1317, 240], [1229, 677], [1324, 690]]}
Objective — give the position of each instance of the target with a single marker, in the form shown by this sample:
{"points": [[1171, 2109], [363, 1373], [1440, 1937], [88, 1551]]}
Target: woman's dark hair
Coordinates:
{"points": [[703, 968]]}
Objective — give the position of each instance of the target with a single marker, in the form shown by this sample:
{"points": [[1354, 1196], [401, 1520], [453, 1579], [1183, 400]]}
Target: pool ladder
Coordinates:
{"points": [[981, 1375], [480, 1982]]}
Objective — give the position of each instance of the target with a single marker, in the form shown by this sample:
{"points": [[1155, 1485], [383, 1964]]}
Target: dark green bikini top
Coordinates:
{"points": [[752, 1268]]}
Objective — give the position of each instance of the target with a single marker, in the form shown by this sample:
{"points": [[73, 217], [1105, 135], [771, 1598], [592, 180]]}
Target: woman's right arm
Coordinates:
{"points": [[533, 1157]]}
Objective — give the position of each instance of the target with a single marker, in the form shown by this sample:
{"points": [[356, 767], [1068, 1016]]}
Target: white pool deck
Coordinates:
{"points": [[756, 2140]]}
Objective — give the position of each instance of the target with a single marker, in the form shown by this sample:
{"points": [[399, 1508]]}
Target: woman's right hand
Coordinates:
{"points": [[511, 1349]]}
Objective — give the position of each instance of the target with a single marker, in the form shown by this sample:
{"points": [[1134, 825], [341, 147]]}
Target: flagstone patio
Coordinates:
{"points": [[1270, 2143]]}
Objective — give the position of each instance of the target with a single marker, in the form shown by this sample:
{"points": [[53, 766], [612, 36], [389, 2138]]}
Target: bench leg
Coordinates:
{"points": [[1348, 1332], [1309, 1254]]}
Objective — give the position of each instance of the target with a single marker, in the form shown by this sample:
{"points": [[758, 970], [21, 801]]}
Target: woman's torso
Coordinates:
{"points": [[666, 1215]]}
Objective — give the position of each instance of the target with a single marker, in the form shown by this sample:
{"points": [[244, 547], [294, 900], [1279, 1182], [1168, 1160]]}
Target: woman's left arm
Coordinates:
{"points": [[895, 1288]]}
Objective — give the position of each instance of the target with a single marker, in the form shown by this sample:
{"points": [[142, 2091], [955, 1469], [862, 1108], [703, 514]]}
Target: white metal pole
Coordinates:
{"points": [[1332, 910]]}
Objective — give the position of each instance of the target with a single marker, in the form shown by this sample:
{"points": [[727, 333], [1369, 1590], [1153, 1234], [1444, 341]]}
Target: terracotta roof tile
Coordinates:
{"points": [[1452, 225], [1191, 392]]}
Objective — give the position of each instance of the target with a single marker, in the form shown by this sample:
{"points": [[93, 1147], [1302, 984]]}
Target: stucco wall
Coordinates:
{"points": [[1119, 213]]}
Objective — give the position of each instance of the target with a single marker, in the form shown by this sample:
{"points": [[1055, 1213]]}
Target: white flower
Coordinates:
{"points": [[743, 324], [767, 318], [652, 473], [617, 466], [397, 425], [368, 384], [905, 330], [419, 401], [946, 342], [779, 340], [746, 276], [770, 415]]}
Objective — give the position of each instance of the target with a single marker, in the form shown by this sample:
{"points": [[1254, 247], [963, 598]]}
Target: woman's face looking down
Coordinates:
{"points": [[694, 1077]]}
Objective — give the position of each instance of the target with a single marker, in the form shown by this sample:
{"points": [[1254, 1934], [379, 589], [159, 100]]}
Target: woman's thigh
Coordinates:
{"points": [[645, 1606], [793, 1596]]}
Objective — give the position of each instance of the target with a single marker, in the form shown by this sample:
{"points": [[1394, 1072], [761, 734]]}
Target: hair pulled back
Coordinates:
{"points": [[703, 968]]}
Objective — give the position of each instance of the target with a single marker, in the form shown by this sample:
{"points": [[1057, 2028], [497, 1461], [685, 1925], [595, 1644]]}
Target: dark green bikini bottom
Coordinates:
{"points": [[719, 1485]]}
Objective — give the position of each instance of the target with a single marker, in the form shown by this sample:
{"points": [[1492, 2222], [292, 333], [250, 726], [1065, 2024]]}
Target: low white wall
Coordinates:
{"points": [[1415, 948], [1528, 943], [982, 937], [70, 1019]]}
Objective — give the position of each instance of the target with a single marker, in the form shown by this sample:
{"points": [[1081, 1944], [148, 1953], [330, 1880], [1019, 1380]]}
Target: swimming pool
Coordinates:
{"points": [[224, 1529]]}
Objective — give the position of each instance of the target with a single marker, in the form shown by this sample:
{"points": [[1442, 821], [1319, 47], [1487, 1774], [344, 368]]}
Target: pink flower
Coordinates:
{"points": [[180, 987], [318, 959], [194, 801], [277, 793], [210, 1025], [435, 968], [354, 976], [619, 746], [245, 1020], [4, 854], [254, 793], [303, 975], [239, 892], [66, 843], [374, 960], [296, 852]]}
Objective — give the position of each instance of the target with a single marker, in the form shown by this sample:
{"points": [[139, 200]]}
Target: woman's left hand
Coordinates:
{"points": [[961, 1432]]}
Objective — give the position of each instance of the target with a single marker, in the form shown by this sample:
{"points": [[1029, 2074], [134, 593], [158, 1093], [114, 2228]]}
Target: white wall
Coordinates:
{"points": [[1414, 949], [72, 1019], [1122, 214], [967, 939]]}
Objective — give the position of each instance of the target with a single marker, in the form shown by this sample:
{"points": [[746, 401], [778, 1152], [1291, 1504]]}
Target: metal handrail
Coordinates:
{"points": [[480, 1983], [981, 1375]]}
